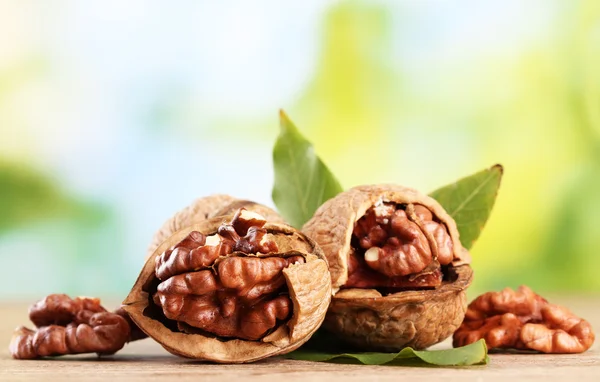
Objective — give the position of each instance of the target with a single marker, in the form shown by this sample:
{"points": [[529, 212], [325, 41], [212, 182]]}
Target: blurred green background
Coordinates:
{"points": [[113, 115]]}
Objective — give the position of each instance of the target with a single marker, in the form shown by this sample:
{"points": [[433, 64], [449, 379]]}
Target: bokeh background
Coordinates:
{"points": [[115, 114]]}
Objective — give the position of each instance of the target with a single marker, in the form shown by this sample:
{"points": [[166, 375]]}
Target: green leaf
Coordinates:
{"points": [[470, 200], [302, 181], [473, 354]]}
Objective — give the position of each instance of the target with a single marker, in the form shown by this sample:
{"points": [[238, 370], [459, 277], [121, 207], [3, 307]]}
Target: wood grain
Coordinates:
{"points": [[147, 361]]}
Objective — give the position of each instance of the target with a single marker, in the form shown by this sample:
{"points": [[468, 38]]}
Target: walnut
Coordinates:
{"points": [[222, 283], [69, 326], [234, 288], [523, 320], [398, 269]]}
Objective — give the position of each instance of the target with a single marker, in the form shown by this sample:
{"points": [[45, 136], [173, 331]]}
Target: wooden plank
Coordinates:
{"points": [[147, 361]]}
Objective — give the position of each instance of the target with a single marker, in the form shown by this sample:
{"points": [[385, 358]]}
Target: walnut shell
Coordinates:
{"points": [[419, 319], [205, 208], [365, 317], [308, 284]]}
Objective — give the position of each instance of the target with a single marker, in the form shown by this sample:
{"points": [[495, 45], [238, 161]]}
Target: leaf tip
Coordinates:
{"points": [[498, 167], [282, 114], [284, 121]]}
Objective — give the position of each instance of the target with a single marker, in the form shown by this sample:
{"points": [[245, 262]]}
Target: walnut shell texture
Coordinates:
{"points": [[417, 318], [365, 317], [308, 283]]}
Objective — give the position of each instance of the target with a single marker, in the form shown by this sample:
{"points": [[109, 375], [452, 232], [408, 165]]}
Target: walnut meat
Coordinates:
{"points": [[69, 326], [398, 270], [235, 288], [205, 208], [523, 320]]}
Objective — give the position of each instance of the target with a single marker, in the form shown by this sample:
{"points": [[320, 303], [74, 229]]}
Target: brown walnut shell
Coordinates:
{"points": [[387, 322], [308, 285]]}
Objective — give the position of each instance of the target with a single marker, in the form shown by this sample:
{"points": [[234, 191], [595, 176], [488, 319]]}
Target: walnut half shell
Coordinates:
{"points": [[399, 272], [231, 289]]}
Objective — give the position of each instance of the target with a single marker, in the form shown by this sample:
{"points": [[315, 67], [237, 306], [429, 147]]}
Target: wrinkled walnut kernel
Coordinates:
{"points": [[212, 284], [196, 251], [523, 320], [398, 246], [361, 276], [70, 326]]}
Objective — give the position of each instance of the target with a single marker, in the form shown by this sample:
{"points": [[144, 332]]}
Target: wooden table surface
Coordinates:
{"points": [[146, 361]]}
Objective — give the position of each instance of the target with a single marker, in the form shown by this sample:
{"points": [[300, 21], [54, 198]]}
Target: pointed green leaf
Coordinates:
{"points": [[473, 354], [470, 200], [302, 181]]}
